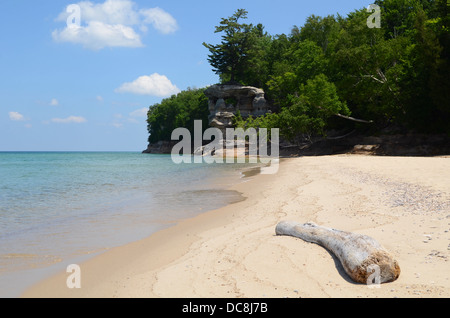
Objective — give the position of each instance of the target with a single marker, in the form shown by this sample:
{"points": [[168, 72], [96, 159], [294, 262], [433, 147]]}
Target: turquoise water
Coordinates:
{"points": [[55, 207]]}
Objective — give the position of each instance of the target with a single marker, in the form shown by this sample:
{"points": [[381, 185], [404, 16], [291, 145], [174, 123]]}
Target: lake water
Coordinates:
{"points": [[59, 207]]}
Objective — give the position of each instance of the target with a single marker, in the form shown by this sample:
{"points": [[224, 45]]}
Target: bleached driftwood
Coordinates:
{"points": [[361, 256]]}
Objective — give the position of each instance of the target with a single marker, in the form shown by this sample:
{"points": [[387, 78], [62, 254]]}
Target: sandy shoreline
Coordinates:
{"points": [[232, 252]]}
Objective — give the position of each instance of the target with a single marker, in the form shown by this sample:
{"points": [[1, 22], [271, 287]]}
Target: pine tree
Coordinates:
{"points": [[229, 58]]}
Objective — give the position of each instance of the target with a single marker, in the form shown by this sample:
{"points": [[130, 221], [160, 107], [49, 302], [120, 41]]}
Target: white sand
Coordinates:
{"points": [[233, 252]]}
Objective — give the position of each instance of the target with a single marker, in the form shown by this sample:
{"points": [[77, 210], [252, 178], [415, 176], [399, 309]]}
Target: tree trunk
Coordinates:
{"points": [[362, 257]]}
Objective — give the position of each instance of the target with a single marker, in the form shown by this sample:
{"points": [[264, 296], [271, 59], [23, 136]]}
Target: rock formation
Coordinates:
{"points": [[226, 100]]}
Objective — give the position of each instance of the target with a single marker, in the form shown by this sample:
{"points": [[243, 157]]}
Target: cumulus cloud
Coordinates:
{"points": [[69, 120], [98, 35], [154, 85], [110, 12], [15, 116], [160, 19], [54, 102], [114, 23]]}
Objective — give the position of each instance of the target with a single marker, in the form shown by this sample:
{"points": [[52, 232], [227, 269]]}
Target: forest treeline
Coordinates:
{"points": [[333, 72]]}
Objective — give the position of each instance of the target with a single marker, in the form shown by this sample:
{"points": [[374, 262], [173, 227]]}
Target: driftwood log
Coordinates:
{"points": [[361, 256]]}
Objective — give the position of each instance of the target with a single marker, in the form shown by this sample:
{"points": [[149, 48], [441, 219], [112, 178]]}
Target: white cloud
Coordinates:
{"points": [[15, 116], [154, 85], [99, 98], [113, 23], [69, 120], [98, 35], [54, 102], [110, 12], [160, 19], [139, 113]]}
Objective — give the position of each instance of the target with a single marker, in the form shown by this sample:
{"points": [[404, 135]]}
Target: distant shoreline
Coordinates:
{"points": [[398, 144]]}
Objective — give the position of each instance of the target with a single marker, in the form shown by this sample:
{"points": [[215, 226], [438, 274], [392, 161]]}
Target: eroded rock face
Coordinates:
{"points": [[226, 100]]}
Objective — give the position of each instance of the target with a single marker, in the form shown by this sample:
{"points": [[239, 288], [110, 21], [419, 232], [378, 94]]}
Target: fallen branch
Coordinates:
{"points": [[362, 257], [355, 119], [342, 137], [350, 118]]}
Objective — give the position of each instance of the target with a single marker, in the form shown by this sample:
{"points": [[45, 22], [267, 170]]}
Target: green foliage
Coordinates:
{"points": [[175, 112], [322, 31], [310, 110], [396, 75], [307, 114], [398, 16], [440, 81], [242, 45], [366, 69], [301, 61], [422, 73]]}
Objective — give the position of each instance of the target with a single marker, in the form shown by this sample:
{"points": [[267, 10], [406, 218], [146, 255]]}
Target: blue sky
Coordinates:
{"points": [[65, 87]]}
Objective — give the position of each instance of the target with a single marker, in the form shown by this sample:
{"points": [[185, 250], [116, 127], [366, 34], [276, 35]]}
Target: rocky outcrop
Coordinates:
{"points": [[161, 147], [226, 100]]}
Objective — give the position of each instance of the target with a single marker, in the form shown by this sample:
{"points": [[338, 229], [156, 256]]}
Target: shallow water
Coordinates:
{"points": [[61, 206]]}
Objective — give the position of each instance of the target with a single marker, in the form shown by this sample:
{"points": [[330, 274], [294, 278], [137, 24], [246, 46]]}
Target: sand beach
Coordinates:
{"points": [[233, 252]]}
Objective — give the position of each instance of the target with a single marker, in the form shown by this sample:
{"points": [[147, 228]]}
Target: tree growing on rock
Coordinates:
{"points": [[233, 57]]}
